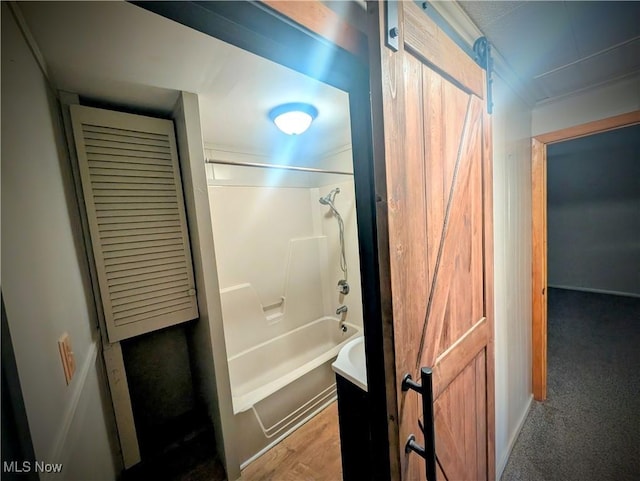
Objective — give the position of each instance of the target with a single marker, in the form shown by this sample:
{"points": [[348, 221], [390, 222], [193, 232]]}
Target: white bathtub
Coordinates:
{"points": [[262, 370]]}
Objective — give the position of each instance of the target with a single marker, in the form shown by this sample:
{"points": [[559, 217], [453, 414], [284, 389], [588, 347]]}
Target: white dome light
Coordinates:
{"points": [[294, 118]]}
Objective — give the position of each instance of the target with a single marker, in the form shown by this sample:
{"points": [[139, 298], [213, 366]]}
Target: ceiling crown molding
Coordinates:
{"points": [[457, 18]]}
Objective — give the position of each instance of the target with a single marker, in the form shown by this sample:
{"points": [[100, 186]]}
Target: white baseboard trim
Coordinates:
{"points": [[512, 439], [596, 291], [78, 384]]}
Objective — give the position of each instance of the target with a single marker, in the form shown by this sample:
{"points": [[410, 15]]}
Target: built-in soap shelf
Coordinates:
{"points": [[274, 311]]}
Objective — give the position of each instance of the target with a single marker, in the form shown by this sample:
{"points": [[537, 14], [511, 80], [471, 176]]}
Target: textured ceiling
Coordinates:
{"points": [[560, 47], [119, 53]]}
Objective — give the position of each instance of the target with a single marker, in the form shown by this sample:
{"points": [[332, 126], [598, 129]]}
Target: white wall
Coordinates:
{"points": [[45, 280], [266, 251], [252, 227], [512, 267], [594, 104]]}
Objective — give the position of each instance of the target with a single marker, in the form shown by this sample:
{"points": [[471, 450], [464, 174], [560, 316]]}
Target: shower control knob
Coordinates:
{"points": [[343, 287]]}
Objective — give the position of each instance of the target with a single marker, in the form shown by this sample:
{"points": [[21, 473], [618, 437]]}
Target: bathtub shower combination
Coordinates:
{"points": [[280, 346], [289, 387]]}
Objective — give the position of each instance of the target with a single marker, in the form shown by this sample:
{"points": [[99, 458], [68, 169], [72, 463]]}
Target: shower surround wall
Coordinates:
{"points": [[254, 230], [270, 239], [345, 204], [278, 256]]}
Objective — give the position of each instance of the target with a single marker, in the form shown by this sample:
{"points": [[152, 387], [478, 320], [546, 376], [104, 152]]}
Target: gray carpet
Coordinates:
{"points": [[589, 428]]}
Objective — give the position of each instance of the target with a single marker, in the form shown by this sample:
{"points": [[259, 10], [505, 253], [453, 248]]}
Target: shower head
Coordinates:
{"points": [[328, 199]]}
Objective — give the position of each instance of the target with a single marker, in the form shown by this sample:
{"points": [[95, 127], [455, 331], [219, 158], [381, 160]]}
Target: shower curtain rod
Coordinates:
{"points": [[276, 166]]}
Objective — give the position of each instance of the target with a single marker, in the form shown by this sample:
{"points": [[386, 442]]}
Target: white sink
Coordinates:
{"points": [[351, 363]]}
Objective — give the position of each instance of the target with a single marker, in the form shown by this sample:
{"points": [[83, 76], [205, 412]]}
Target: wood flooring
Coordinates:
{"points": [[312, 453]]}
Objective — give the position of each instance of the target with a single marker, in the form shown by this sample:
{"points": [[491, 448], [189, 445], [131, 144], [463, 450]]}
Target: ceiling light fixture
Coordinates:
{"points": [[293, 118]]}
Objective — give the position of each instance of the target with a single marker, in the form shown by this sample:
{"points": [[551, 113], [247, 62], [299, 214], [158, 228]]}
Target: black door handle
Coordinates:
{"points": [[428, 452]]}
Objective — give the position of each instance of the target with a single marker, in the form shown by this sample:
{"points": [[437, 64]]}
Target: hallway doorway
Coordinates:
{"points": [[539, 234]]}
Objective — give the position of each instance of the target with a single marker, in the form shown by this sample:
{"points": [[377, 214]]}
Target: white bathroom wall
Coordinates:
{"points": [[340, 160], [252, 227], [45, 277], [266, 249], [274, 241], [219, 173]]}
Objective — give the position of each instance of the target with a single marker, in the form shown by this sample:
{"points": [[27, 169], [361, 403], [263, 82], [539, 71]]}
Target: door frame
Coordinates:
{"points": [[285, 32], [539, 145]]}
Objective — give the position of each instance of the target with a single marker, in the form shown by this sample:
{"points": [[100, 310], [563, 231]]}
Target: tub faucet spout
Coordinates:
{"points": [[341, 309]]}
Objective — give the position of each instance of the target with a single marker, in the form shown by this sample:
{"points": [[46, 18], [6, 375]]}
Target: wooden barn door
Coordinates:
{"points": [[437, 169]]}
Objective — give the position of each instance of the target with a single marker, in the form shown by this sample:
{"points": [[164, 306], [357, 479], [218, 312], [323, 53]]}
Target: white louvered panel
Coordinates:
{"points": [[156, 226], [121, 253], [128, 150], [110, 145], [125, 164], [125, 133], [107, 216], [118, 275], [132, 191], [126, 288], [141, 187], [119, 298], [148, 256], [123, 225]]}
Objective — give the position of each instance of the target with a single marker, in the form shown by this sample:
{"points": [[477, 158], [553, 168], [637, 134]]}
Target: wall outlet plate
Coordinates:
{"points": [[68, 359]]}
